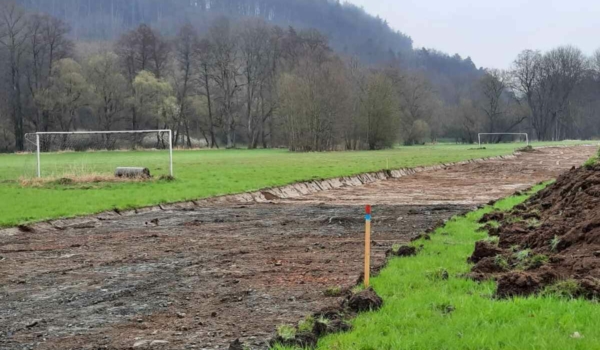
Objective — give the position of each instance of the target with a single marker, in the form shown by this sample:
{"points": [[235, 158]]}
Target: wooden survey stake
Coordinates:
{"points": [[367, 245]]}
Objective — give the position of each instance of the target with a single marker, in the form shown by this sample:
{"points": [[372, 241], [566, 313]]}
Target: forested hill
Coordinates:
{"points": [[349, 28]]}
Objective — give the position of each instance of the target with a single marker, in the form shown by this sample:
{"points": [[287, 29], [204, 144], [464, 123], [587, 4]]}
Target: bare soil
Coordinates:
{"points": [[199, 275]]}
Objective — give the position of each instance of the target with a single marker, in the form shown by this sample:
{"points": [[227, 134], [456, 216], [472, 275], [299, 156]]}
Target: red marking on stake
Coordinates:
{"points": [[368, 209]]}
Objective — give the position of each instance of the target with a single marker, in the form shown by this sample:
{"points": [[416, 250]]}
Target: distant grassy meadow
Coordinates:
{"points": [[199, 174]]}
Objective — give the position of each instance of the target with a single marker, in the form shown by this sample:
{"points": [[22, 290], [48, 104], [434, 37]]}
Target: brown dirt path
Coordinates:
{"points": [[202, 276], [473, 183]]}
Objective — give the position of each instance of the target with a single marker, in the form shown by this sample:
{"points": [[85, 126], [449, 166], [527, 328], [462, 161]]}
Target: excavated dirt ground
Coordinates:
{"points": [[200, 275], [551, 238]]}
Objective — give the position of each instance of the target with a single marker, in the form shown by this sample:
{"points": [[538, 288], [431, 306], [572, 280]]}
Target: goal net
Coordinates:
{"points": [[497, 137], [97, 154]]}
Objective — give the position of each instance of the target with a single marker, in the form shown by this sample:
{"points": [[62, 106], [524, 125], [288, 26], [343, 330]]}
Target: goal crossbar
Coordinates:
{"points": [[503, 133], [38, 134]]}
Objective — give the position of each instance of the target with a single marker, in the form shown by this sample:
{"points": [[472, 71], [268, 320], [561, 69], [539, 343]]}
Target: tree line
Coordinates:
{"points": [[247, 82]]}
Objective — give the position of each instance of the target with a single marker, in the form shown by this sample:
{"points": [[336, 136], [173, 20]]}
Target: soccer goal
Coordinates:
{"points": [[80, 153], [519, 134]]}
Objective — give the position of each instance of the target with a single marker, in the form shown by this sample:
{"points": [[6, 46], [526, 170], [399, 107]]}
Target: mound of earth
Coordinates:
{"points": [[551, 243]]}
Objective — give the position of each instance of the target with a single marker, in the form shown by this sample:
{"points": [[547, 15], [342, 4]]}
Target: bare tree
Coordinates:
{"points": [[226, 74], [48, 44], [468, 120], [380, 112], [417, 102], [493, 88], [314, 100], [109, 90], [139, 50], [13, 37], [546, 82], [185, 56], [68, 93], [205, 61], [259, 51]]}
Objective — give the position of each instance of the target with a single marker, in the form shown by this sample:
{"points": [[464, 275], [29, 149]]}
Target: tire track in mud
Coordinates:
{"points": [[200, 274]]}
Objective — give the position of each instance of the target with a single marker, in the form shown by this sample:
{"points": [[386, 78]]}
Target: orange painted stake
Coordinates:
{"points": [[367, 246]]}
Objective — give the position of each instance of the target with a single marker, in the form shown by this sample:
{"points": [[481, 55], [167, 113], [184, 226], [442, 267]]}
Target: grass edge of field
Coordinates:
{"points": [[459, 313]]}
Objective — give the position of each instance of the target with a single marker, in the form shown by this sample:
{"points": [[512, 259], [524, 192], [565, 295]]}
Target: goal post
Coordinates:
{"points": [[38, 142], [503, 133]]}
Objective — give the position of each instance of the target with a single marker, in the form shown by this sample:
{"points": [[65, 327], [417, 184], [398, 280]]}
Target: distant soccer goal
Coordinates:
{"points": [[513, 134], [81, 153]]}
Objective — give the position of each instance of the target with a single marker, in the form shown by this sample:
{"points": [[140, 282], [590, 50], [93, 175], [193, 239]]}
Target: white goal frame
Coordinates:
{"points": [[503, 133], [38, 134]]}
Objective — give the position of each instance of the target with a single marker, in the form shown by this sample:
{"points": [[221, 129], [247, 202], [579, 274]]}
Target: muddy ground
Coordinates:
{"points": [[200, 275]]}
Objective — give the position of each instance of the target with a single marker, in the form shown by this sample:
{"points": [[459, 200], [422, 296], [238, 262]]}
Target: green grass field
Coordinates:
{"points": [[422, 312], [199, 174]]}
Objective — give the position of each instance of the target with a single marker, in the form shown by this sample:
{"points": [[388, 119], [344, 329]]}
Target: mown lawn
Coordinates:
{"points": [[424, 312], [199, 174]]}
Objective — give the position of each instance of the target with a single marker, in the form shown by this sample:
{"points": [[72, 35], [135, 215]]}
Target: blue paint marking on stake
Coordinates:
{"points": [[368, 217]]}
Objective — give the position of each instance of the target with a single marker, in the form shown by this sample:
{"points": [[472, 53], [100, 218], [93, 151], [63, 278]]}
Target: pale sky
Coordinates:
{"points": [[492, 32]]}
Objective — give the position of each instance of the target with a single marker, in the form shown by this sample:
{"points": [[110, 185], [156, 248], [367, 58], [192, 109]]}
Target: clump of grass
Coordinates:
{"points": [[527, 262], [335, 291], [522, 255], [307, 324], [533, 223], [359, 288], [554, 243], [537, 261], [323, 320], [440, 274], [166, 178], [501, 262], [495, 240], [445, 308], [494, 224], [286, 332], [566, 289], [590, 163], [527, 148], [515, 219], [396, 247]]}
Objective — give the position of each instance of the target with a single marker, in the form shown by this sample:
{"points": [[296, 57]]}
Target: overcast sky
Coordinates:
{"points": [[492, 32]]}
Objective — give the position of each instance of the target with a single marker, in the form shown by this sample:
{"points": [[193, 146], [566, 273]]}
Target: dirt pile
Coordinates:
{"points": [[549, 244]]}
